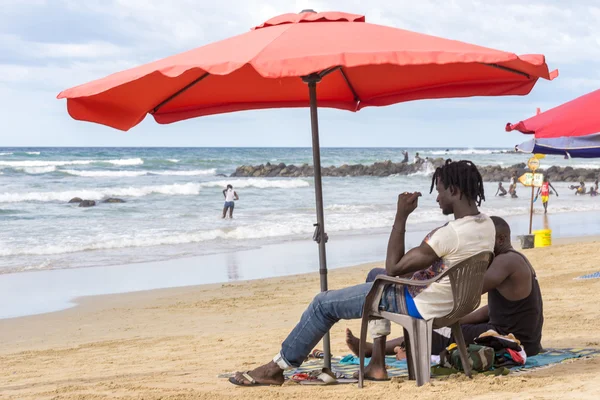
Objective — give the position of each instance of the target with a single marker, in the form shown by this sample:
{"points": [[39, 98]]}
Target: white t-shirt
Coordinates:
{"points": [[453, 243], [229, 195]]}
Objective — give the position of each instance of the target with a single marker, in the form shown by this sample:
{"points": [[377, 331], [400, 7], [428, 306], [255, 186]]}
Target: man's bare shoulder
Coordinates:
{"points": [[510, 259]]}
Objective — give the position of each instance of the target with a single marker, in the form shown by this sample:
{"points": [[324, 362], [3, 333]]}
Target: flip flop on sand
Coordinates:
{"points": [[320, 377], [247, 377]]}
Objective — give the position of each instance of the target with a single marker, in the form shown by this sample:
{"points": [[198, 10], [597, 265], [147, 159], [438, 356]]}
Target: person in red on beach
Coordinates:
{"points": [[545, 192]]}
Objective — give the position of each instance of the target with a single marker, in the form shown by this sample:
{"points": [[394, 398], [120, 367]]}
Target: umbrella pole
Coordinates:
{"points": [[320, 237]]}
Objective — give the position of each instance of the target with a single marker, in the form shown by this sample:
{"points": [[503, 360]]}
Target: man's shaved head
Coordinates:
{"points": [[502, 235]]}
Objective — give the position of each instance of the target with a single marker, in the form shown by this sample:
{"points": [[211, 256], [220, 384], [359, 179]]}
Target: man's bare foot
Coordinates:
{"points": [[353, 343], [400, 353], [268, 374], [374, 373]]}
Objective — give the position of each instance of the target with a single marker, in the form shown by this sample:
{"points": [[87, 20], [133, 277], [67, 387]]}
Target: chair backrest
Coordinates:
{"points": [[466, 279]]}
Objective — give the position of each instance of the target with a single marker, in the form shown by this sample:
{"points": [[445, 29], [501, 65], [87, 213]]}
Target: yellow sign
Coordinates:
{"points": [[533, 163], [531, 179], [539, 156]]}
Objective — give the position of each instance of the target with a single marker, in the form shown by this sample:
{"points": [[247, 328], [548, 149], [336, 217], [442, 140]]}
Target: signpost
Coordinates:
{"points": [[534, 180]]}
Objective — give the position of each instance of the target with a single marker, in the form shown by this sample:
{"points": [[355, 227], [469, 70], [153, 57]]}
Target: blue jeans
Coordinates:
{"points": [[410, 303], [324, 311]]}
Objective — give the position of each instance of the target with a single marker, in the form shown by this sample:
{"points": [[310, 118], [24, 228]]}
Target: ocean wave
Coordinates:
{"points": [[428, 170], [173, 160], [351, 208], [464, 152], [33, 153], [103, 173], [6, 154], [37, 170], [293, 225], [126, 161], [108, 173], [172, 190], [585, 166], [260, 183], [48, 163], [199, 172]]}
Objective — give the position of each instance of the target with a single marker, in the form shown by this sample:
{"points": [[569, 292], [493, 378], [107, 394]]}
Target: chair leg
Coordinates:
{"points": [[423, 353], [362, 347], [462, 348], [409, 356]]}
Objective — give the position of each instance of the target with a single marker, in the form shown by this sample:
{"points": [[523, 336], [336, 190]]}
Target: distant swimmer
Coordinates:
{"points": [[579, 189], [501, 191], [230, 195], [545, 192]]}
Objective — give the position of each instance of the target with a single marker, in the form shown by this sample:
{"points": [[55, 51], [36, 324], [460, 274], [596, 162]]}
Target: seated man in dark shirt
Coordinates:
{"points": [[514, 303]]}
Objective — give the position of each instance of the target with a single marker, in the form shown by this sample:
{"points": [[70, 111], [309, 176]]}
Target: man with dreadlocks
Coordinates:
{"points": [[460, 191]]}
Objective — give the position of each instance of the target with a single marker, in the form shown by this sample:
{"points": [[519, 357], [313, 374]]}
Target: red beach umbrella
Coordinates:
{"points": [[572, 129], [355, 65]]}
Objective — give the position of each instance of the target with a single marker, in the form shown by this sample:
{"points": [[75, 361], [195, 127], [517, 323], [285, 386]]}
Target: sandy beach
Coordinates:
{"points": [[172, 343]]}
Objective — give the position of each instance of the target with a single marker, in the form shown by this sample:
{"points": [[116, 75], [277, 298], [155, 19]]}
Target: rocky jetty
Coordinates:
{"points": [[87, 203], [113, 200], [387, 168]]}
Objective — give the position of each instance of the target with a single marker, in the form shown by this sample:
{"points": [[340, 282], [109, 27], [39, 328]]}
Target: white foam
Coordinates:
{"points": [[129, 173], [33, 153], [464, 152], [428, 170], [6, 154], [47, 163], [126, 161], [260, 183], [199, 172], [169, 190], [585, 166], [37, 170], [351, 208], [294, 224], [173, 160], [103, 173]]}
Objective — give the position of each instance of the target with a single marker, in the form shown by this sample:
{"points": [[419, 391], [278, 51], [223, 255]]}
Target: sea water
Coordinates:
{"points": [[173, 201]]}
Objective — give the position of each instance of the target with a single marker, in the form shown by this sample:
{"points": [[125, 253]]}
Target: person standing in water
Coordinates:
{"points": [[230, 195], [512, 189], [545, 191]]}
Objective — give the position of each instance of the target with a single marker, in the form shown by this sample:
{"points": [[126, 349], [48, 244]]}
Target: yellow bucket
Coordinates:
{"points": [[543, 238]]}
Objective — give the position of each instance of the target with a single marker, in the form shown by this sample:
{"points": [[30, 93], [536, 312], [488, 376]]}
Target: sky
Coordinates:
{"points": [[50, 45]]}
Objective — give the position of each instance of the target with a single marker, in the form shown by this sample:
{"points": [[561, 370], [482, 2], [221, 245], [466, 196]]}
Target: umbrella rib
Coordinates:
{"points": [[515, 71], [180, 91], [356, 98], [328, 71]]}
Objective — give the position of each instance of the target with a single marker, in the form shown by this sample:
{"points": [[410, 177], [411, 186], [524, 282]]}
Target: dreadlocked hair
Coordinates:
{"points": [[464, 176]]}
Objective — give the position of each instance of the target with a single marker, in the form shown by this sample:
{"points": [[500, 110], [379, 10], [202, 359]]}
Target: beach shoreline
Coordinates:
{"points": [[172, 343]]}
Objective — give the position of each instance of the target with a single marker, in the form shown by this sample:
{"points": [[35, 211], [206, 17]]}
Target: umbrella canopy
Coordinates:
{"points": [[572, 129], [374, 66], [354, 64]]}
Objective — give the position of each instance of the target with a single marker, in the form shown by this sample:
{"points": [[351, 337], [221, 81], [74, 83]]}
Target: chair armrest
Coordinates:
{"points": [[403, 281]]}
